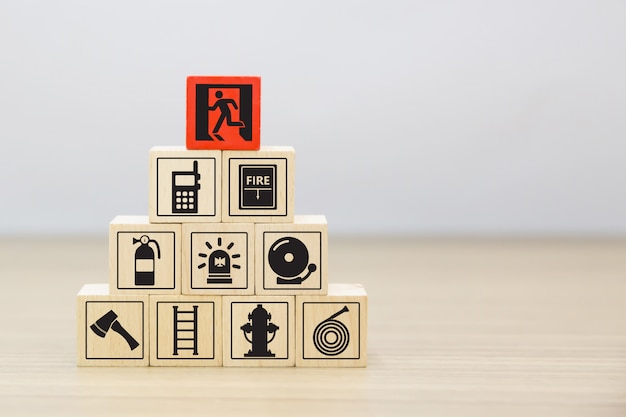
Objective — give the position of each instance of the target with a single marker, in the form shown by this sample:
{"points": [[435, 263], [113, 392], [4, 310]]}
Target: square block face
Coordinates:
{"points": [[218, 258], [292, 258], [185, 331], [112, 330], [259, 331], [331, 331], [223, 112], [144, 257], [258, 186], [185, 186]]}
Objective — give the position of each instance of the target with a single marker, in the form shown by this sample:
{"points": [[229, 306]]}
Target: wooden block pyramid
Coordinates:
{"points": [[221, 272]]}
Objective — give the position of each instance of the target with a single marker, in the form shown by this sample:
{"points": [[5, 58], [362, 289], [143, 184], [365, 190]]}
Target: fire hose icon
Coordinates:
{"points": [[331, 337]]}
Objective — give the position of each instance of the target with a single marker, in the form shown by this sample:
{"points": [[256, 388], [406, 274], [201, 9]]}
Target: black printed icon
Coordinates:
{"points": [[185, 330], [257, 186], [144, 260], [222, 105], [331, 337], [109, 321], [261, 328], [219, 263], [185, 186], [289, 257], [219, 103]]}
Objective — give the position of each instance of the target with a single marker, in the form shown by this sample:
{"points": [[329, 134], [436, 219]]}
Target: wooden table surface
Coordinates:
{"points": [[456, 327]]}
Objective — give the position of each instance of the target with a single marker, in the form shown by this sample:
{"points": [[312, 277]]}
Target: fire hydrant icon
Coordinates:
{"points": [[261, 329]]}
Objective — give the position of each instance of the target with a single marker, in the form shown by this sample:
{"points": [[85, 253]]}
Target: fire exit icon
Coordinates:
{"points": [[257, 186], [223, 112]]}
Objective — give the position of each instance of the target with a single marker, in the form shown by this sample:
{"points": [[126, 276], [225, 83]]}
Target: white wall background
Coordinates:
{"points": [[427, 117]]}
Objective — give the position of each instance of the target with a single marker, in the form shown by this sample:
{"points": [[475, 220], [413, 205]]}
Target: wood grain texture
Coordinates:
{"points": [[467, 328]]}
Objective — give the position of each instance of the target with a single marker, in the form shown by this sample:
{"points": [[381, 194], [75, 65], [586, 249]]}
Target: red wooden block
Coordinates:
{"points": [[223, 112]]}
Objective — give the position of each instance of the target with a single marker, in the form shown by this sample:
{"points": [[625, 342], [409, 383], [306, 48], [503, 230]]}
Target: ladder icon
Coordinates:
{"points": [[185, 330]]}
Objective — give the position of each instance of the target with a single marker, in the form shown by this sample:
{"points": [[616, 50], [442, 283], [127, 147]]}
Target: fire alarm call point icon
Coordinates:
{"points": [[257, 186], [223, 112]]}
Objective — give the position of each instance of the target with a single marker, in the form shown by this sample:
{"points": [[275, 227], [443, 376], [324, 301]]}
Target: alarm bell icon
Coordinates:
{"points": [[289, 257]]}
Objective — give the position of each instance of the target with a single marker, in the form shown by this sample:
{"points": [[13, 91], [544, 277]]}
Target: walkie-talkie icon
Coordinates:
{"points": [[185, 186]]}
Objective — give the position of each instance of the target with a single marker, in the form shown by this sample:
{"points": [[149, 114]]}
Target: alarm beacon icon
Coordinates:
{"points": [[219, 262]]}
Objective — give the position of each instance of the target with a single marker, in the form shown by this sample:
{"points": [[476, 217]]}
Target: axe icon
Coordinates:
{"points": [[109, 321]]}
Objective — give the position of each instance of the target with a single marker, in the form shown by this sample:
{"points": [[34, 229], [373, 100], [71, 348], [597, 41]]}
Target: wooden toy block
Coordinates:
{"points": [[185, 330], [331, 330], [144, 257], [112, 330], [259, 331], [218, 258], [185, 186], [258, 186], [292, 258], [223, 112]]}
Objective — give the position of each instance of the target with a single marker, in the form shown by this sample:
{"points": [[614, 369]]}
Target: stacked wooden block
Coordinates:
{"points": [[221, 271]]}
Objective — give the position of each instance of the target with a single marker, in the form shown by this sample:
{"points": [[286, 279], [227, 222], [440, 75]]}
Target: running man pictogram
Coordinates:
{"points": [[222, 105]]}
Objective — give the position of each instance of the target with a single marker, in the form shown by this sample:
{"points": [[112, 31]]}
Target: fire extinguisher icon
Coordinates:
{"points": [[144, 260]]}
